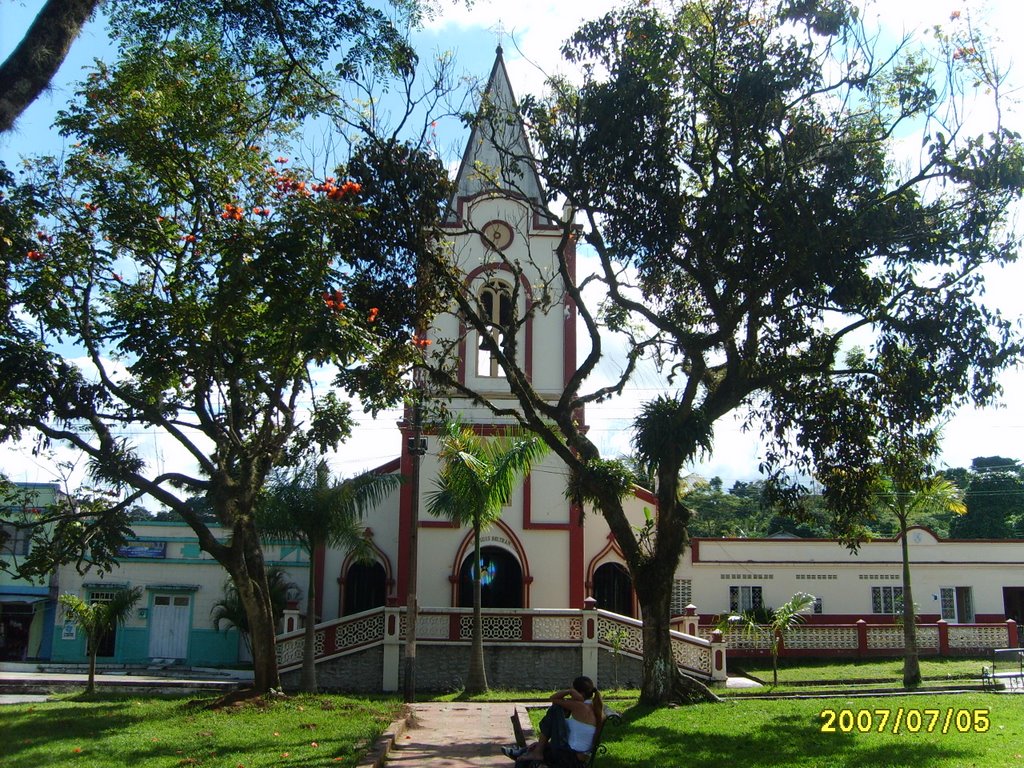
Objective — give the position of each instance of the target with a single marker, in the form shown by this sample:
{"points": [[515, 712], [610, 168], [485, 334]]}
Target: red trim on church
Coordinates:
{"points": [[380, 557], [467, 546], [404, 514]]}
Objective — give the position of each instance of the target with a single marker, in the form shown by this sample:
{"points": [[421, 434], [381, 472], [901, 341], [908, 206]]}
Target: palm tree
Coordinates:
{"points": [[97, 619], [476, 479], [908, 501], [229, 611], [783, 618], [309, 507]]}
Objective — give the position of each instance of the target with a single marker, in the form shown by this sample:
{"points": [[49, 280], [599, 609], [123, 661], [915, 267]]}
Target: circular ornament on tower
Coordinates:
{"points": [[496, 235]]}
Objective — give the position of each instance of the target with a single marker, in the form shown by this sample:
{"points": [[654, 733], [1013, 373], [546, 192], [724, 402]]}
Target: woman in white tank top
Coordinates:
{"points": [[567, 729]]}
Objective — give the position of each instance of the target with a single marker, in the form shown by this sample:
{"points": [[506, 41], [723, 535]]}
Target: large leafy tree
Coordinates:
{"points": [[308, 506], [294, 36], [735, 168], [169, 275], [717, 513], [98, 619], [476, 479], [994, 490]]}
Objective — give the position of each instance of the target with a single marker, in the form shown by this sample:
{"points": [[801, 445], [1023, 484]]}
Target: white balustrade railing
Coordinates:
{"points": [[548, 627]]}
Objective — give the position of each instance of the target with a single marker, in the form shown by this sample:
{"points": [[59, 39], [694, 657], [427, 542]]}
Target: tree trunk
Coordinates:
{"points": [[911, 663], [662, 683], [775, 640], [28, 70], [653, 573], [307, 682], [476, 682], [92, 649], [247, 568]]}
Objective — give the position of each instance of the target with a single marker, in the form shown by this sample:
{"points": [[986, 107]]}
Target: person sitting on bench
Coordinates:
{"points": [[567, 729]]}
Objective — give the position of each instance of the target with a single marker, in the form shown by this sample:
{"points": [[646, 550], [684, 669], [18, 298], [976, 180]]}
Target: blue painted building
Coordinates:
{"points": [[27, 608], [172, 623]]}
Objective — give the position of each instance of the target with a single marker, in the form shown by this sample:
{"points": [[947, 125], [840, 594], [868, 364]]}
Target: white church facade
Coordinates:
{"points": [[538, 554]]}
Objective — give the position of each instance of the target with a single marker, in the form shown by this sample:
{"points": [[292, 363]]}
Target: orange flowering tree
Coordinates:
{"points": [[175, 274]]}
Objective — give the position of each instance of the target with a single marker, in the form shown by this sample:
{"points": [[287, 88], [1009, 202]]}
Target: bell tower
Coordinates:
{"points": [[503, 239]]}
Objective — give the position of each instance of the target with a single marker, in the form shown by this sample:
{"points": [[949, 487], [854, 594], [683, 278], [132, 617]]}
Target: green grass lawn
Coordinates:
{"points": [[932, 668], [981, 729], [788, 734], [106, 732], [944, 731]]}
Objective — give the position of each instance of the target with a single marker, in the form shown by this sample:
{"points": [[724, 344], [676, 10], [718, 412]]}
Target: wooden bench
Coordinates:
{"points": [[587, 759]]}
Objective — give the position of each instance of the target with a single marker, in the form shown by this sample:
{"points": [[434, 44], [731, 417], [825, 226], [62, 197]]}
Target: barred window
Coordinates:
{"points": [[957, 604], [744, 598], [14, 540], [886, 599]]}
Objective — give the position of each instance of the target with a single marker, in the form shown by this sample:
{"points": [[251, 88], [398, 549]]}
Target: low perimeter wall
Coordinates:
{"points": [[543, 648], [862, 640], [522, 649]]}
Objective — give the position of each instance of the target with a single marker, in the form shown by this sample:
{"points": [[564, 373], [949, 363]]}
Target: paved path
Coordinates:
{"points": [[10, 698], [456, 735]]}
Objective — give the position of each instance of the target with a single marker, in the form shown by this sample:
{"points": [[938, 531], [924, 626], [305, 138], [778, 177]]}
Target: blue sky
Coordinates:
{"points": [[531, 32]]}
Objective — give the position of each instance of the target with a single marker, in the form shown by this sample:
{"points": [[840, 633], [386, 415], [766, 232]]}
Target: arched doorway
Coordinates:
{"points": [[502, 582], [365, 587], [613, 589]]}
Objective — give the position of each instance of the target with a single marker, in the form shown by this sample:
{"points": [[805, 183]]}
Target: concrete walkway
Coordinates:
{"points": [[19, 680], [453, 735]]}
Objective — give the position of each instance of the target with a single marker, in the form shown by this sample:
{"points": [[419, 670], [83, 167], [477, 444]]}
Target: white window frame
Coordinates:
{"points": [[950, 604]]}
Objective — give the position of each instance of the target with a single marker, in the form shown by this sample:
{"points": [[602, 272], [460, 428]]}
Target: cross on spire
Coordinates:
{"points": [[499, 31]]}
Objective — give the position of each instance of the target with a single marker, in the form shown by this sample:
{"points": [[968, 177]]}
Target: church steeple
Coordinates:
{"points": [[498, 156]]}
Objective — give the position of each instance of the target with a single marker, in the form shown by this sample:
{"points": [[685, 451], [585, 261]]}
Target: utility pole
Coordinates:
{"points": [[417, 448]]}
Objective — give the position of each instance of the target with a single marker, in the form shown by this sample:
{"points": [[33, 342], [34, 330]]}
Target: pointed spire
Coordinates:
{"points": [[498, 156]]}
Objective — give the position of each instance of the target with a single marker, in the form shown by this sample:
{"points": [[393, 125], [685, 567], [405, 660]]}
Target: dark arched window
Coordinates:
{"points": [[496, 302], [501, 584], [613, 589], [365, 587]]}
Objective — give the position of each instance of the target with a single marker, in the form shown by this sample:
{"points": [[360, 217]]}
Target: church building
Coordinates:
{"points": [[541, 554]]}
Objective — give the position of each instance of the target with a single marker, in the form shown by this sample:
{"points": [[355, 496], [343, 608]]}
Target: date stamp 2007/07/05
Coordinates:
{"points": [[901, 720]]}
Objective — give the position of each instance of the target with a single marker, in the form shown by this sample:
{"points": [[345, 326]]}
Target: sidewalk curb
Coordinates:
{"points": [[379, 752]]}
